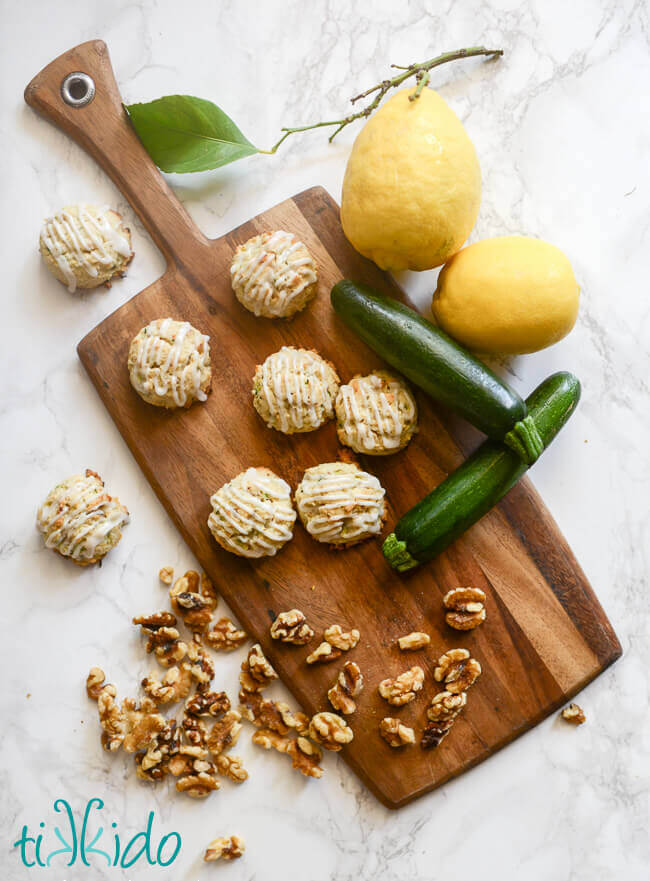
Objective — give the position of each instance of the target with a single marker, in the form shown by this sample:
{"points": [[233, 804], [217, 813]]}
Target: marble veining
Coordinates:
{"points": [[562, 132]]}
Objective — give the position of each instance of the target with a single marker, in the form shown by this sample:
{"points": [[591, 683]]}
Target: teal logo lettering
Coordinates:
{"points": [[82, 842]]}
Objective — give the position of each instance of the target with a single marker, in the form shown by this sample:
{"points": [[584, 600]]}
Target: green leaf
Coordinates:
{"points": [[183, 134]]}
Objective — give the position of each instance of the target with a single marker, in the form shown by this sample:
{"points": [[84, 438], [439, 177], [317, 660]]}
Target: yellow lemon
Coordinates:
{"points": [[510, 294], [412, 185]]}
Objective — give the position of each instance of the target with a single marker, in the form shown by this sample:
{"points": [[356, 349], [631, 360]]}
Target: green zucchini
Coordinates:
{"points": [[438, 365], [479, 483]]}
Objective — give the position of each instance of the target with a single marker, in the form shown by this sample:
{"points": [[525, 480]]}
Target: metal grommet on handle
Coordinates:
{"points": [[78, 89]]}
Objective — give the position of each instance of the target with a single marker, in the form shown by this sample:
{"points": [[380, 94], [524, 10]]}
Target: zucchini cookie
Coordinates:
{"points": [[169, 364], [376, 414], [273, 275], [295, 390], [252, 516], [85, 246], [78, 519], [340, 504]]}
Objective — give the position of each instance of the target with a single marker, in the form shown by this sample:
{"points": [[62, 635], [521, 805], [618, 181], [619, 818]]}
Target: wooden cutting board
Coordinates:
{"points": [[546, 635]]}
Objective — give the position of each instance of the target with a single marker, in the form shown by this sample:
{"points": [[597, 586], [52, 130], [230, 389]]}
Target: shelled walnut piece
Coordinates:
{"points": [[323, 654], [466, 607], [232, 767], [194, 599], [291, 627], [224, 849], [340, 639], [129, 726], [175, 685], [166, 575], [413, 641], [457, 670], [395, 733], [225, 636], [96, 683], [276, 715], [330, 731], [348, 685], [256, 672], [403, 688], [442, 713], [574, 714], [305, 755], [225, 732]]}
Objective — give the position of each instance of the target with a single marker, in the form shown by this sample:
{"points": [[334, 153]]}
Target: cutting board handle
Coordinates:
{"points": [[102, 127]]}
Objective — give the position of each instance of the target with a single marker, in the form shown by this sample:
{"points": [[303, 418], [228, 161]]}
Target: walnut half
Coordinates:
{"points": [[330, 730], [457, 670], [225, 849], [574, 714], [395, 733], [466, 607], [341, 639], [402, 690], [347, 686], [291, 627]]}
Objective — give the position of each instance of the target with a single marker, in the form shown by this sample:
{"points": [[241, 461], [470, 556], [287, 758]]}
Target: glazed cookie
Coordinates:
{"points": [[80, 520], [273, 275], [340, 504], [169, 364], [85, 246], [252, 516], [376, 414], [294, 390]]}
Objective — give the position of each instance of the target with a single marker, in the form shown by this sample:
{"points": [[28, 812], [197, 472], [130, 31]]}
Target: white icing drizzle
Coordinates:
{"points": [[157, 371], [373, 417], [338, 503], [270, 271], [78, 515], [253, 515], [86, 234], [294, 384]]}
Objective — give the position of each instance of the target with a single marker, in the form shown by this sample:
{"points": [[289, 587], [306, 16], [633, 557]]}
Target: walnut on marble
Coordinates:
{"points": [[403, 688], [224, 733], [194, 600], [166, 575], [256, 672], [341, 639], [208, 703], [457, 669], [276, 715], [413, 641], [395, 733], [305, 755], [330, 731], [291, 627], [574, 714], [96, 684], [466, 607], [347, 686], [225, 849], [231, 767], [174, 686], [225, 636]]}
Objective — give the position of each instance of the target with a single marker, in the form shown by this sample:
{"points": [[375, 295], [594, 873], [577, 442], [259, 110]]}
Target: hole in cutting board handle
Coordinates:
{"points": [[78, 89]]}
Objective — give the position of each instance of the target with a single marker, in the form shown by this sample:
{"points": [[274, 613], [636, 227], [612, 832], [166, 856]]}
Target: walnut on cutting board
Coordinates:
{"points": [[413, 641], [457, 670], [291, 627], [347, 686], [466, 607], [403, 688], [395, 733], [341, 639]]}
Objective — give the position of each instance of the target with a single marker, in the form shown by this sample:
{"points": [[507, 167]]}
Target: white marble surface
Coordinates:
{"points": [[562, 129]]}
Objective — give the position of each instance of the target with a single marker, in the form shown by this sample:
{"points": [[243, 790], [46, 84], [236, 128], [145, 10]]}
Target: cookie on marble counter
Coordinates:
{"points": [[273, 275], [294, 390], [252, 515], [169, 364], [376, 414], [80, 520], [340, 504], [85, 246]]}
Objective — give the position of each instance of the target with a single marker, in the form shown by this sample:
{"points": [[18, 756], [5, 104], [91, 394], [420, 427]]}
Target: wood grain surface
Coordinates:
{"points": [[546, 635]]}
